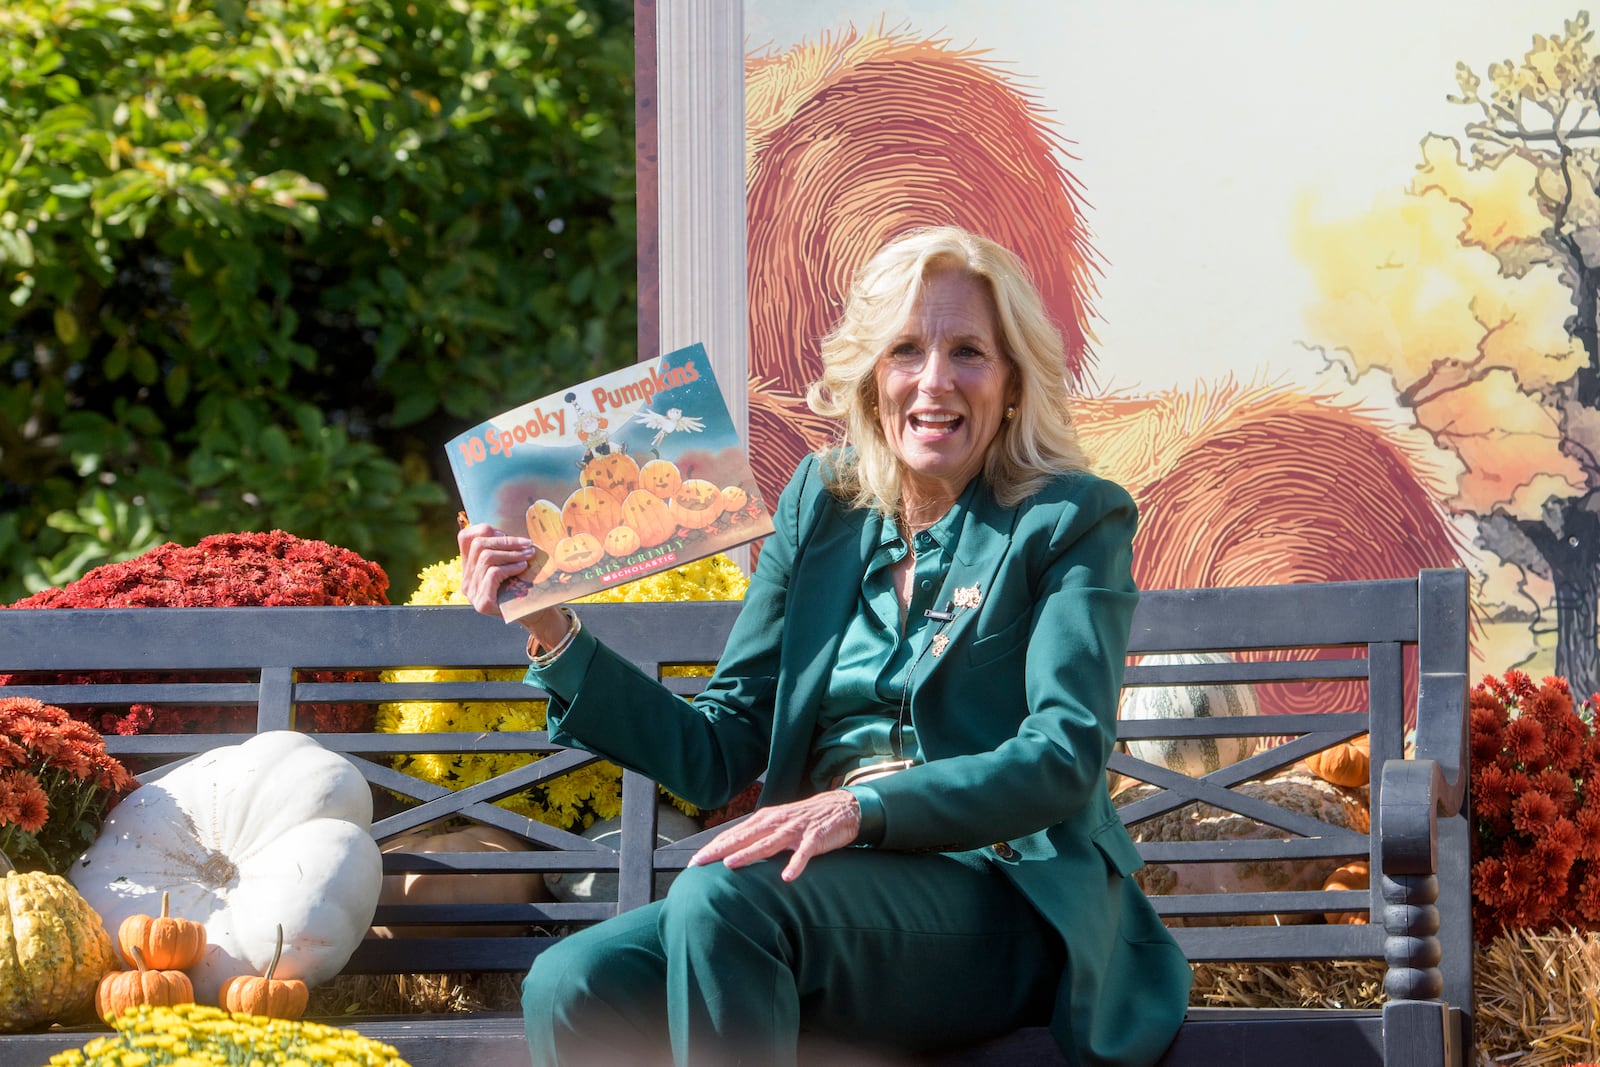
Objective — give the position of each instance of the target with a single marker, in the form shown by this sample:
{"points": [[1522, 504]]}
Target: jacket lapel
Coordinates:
{"points": [[981, 548]]}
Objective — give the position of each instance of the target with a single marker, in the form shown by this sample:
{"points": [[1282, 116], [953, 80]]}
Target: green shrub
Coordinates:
{"points": [[258, 262]]}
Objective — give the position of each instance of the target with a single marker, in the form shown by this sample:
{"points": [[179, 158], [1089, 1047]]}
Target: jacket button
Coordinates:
{"points": [[1004, 851]]}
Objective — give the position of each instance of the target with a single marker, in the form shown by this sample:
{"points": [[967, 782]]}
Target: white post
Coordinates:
{"points": [[700, 183]]}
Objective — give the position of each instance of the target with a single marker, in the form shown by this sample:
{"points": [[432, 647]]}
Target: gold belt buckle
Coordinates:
{"points": [[872, 771]]}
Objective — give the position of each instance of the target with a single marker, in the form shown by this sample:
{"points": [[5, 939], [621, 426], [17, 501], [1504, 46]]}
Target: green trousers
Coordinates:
{"points": [[871, 949]]}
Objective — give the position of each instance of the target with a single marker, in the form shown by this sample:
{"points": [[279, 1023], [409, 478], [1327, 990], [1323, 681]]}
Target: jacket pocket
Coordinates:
{"points": [[1117, 847], [988, 649]]}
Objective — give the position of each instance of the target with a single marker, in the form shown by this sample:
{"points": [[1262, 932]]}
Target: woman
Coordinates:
{"points": [[926, 667]]}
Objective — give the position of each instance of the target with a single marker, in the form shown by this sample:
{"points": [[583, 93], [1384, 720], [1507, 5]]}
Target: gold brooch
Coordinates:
{"points": [[967, 598], [940, 643]]}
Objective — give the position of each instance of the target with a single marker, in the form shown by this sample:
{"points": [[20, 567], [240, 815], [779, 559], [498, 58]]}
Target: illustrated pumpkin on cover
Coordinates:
{"points": [[275, 830], [650, 516], [545, 529], [575, 553], [621, 541], [661, 478], [698, 504], [53, 951], [614, 472], [591, 511]]}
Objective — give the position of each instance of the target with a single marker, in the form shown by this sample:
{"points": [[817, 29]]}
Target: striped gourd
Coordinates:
{"points": [[1193, 756]]}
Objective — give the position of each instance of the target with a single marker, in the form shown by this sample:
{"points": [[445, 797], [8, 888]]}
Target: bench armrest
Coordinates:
{"points": [[1414, 793]]}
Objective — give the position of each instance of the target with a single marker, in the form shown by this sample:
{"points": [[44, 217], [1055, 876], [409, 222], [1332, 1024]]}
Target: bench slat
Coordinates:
{"points": [[1357, 640]]}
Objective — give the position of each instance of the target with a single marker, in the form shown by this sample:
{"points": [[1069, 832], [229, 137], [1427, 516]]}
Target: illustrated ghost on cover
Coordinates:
{"points": [[673, 421]]}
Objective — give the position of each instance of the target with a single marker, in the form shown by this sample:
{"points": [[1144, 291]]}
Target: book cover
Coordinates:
{"points": [[624, 475]]}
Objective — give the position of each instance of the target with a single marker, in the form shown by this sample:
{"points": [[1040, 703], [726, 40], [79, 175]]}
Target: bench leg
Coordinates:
{"points": [[1419, 1033]]}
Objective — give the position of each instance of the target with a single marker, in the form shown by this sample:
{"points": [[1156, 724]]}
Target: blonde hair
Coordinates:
{"points": [[1028, 450]]}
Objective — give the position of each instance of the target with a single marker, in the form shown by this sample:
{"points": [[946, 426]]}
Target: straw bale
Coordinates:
{"points": [[413, 994], [1306, 984], [1538, 999]]}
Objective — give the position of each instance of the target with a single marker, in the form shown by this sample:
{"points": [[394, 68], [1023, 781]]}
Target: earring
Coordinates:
{"points": [[1011, 412]]}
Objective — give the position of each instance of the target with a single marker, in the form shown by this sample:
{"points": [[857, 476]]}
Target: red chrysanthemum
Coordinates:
{"points": [[1524, 740], [57, 786], [1534, 813], [1558, 785], [225, 570], [25, 801], [1536, 807], [1587, 821], [1487, 723]]}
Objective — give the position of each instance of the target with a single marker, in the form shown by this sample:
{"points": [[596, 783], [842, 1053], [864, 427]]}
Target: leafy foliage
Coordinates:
{"points": [[260, 261]]}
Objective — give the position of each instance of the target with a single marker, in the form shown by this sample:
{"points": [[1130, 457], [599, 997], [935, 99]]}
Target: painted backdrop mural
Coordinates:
{"points": [[1319, 288]]}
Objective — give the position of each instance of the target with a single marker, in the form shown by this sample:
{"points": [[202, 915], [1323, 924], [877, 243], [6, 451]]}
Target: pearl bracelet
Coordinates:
{"points": [[544, 659]]}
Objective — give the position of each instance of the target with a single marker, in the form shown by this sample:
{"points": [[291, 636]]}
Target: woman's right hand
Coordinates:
{"points": [[489, 559]]}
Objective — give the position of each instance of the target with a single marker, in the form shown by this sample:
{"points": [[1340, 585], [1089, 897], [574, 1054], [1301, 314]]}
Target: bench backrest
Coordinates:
{"points": [[1350, 641]]}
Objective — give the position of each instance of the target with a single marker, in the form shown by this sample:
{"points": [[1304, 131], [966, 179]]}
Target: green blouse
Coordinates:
{"points": [[863, 718]]}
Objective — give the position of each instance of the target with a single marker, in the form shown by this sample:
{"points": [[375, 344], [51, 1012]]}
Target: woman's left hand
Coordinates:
{"points": [[810, 827]]}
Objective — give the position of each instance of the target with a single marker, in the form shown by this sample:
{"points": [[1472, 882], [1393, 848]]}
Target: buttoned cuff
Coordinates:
{"points": [[872, 821]]}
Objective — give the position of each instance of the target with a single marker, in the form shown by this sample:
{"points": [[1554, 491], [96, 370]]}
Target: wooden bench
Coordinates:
{"points": [[1418, 904]]}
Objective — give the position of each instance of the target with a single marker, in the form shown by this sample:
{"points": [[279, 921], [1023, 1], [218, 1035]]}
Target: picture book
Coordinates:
{"points": [[627, 474]]}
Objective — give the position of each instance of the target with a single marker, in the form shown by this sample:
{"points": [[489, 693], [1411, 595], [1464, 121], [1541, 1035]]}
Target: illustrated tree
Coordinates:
{"points": [[259, 261], [1475, 291]]}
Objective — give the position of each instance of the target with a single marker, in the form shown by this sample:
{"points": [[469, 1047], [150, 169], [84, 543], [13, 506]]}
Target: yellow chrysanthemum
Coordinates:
{"points": [[570, 801], [189, 1035]]}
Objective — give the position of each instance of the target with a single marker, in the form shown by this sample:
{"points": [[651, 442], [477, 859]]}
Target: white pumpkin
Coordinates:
{"points": [[244, 838], [1193, 756]]}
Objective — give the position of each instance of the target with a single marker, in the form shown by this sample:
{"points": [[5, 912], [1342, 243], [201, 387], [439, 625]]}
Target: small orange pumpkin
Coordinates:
{"points": [[614, 472], [591, 511], [120, 990], [166, 941], [621, 541], [1356, 874], [660, 477], [734, 498], [1348, 764], [698, 504], [580, 550], [650, 517], [278, 998]]}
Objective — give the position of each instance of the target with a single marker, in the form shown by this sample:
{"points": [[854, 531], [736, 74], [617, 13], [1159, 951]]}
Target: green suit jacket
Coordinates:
{"points": [[1016, 718]]}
